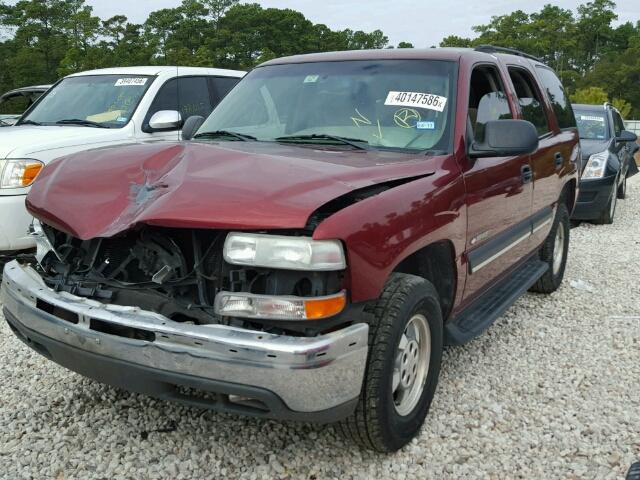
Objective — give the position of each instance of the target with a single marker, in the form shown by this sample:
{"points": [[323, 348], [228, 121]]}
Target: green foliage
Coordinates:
{"points": [[590, 96]]}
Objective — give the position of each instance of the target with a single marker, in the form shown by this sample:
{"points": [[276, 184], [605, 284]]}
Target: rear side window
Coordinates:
{"points": [[529, 100], [220, 86], [487, 100], [557, 97], [188, 95]]}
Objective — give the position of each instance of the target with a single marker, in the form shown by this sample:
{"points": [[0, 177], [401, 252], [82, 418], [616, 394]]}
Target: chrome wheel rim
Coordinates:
{"points": [[558, 248], [411, 365]]}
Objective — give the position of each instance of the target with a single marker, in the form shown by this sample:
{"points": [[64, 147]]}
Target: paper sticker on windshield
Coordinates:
{"points": [[416, 100], [311, 78], [131, 82], [426, 125], [591, 118]]}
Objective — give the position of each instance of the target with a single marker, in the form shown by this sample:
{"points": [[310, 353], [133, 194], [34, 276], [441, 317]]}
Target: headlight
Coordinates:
{"points": [[288, 253], [596, 165], [19, 173]]}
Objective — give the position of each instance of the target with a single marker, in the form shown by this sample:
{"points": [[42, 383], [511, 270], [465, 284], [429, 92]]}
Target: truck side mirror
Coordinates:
{"points": [[191, 126], [626, 136], [506, 138], [165, 120]]}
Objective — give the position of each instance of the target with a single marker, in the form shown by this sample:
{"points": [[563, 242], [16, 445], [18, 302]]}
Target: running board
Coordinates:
{"points": [[478, 316]]}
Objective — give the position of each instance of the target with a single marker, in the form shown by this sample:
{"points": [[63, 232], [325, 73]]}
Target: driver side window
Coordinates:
{"points": [[487, 100]]}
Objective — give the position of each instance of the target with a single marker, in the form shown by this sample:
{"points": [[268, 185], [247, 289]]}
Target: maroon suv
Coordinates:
{"points": [[335, 221]]}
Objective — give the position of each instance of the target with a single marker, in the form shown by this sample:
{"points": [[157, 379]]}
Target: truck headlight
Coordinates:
{"points": [[283, 252], [596, 166], [18, 173]]}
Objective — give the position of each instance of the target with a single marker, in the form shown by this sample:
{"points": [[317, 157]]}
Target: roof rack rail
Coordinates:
{"points": [[512, 51]]}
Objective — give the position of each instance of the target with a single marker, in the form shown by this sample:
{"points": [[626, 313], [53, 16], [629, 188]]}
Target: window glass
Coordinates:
{"points": [[398, 104], [592, 125], [220, 86], [188, 95], [618, 124], [557, 97], [529, 100], [14, 105], [109, 100], [487, 100]]}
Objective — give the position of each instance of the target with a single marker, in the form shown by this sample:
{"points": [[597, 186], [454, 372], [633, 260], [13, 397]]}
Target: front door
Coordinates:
{"points": [[499, 191]]}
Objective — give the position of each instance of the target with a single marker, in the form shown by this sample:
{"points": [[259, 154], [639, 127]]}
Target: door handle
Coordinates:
{"points": [[527, 174], [559, 160]]}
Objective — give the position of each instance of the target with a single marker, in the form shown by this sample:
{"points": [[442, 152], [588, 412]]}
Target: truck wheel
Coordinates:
{"points": [[554, 252], [405, 351], [622, 189], [606, 217]]}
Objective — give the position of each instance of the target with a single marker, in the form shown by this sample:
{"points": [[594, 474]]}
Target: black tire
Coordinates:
{"points": [[622, 189], [634, 472], [376, 424], [552, 278], [607, 215]]}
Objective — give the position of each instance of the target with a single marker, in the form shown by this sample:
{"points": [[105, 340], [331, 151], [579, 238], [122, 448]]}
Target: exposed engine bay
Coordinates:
{"points": [[176, 273]]}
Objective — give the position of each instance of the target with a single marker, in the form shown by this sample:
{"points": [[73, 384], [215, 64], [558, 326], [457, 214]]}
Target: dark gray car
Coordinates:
{"points": [[607, 161]]}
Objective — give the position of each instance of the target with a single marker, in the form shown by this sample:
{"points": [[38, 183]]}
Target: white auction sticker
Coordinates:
{"points": [[592, 118], [131, 82], [416, 100]]}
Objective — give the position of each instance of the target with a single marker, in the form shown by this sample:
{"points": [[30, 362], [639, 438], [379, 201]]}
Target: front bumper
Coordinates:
{"points": [[213, 366], [14, 224], [593, 197]]}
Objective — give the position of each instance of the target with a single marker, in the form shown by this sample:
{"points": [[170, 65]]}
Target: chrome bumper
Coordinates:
{"points": [[307, 374]]}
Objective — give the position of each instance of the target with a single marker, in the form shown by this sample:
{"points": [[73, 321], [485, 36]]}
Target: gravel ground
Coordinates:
{"points": [[550, 391]]}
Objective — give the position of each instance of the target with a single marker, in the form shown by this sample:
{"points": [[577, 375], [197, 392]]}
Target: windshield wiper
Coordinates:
{"points": [[354, 142], [30, 122], [226, 133], [79, 121]]}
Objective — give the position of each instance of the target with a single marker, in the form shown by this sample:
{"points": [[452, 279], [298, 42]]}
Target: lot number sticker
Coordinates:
{"points": [[131, 82], [416, 100]]}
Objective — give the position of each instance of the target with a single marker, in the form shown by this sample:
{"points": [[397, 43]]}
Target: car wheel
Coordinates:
{"points": [[405, 352], [554, 252], [634, 472], [609, 212], [622, 189]]}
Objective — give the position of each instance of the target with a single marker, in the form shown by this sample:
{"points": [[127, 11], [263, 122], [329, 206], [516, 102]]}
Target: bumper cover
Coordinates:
{"points": [[593, 198], [317, 378]]}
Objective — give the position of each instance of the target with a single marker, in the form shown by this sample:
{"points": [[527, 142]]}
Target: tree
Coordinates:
{"points": [[405, 45]]}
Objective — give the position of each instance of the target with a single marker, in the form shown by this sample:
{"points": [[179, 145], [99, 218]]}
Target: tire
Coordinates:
{"points": [[558, 237], [622, 189], [378, 423], [634, 472], [609, 212]]}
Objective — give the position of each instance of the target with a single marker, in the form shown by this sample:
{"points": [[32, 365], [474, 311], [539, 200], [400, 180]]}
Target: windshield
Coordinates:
{"points": [[592, 125], [104, 100], [396, 104]]}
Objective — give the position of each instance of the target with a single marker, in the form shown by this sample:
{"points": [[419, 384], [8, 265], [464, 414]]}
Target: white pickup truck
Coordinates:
{"points": [[96, 109]]}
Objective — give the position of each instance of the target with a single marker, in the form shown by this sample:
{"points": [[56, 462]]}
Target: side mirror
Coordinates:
{"points": [[191, 126], [506, 138], [626, 136], [165, 120]]}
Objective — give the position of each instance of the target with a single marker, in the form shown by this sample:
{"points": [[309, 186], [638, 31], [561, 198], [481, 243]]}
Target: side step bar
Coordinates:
{"points": [[478, 316]]}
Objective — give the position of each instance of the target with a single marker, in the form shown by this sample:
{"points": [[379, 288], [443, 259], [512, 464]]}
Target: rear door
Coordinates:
{"points": [[499, 189]]}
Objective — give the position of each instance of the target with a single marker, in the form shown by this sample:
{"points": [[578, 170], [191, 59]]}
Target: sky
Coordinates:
{"points": [[421, 22]]}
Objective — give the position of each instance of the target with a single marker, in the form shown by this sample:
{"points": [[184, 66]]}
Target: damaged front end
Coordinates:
{"points": [[182, 274]]}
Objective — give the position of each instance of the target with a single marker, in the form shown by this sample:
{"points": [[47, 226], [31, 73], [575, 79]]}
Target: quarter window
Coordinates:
{"points": [[557, 97], [529, 100]]}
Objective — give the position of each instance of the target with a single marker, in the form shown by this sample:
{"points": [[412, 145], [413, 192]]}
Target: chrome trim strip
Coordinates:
{"points": [[501, 252], [542, 225], [308, 373]]}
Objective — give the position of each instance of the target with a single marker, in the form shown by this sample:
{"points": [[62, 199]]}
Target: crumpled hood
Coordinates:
{"points": [[241, 185], [28, 139]]}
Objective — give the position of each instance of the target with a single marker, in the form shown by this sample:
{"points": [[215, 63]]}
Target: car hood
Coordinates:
{"points": [[24, 140], [231, 185], [589, 147]]}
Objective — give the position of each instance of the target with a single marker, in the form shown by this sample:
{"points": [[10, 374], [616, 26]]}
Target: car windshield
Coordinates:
{"points": [[388, 104], [107, 101], [591, 125]]}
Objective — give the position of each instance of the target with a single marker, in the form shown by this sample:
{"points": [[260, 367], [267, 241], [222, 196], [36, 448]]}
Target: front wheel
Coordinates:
{"points": [[622, 189], [405, 352], [554, 252], [609, 212]]}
